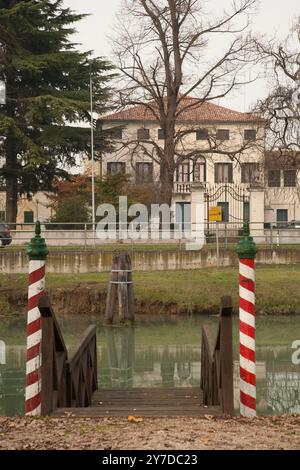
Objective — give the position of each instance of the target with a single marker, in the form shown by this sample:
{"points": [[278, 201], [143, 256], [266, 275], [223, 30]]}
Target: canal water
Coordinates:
{"points": [[161, 352]]}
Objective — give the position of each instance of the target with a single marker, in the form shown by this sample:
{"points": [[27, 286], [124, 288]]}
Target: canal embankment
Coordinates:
{"points": [[183, 292]]}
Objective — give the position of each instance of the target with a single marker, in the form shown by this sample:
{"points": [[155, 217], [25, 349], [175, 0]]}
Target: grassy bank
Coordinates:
{"points": [[277, 287]]}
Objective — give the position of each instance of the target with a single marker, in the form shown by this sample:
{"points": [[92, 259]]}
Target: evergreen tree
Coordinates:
{"points": [[47, 80]]}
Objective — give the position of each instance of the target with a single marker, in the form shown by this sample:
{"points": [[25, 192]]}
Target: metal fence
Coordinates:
{"points": [[155, 236]]}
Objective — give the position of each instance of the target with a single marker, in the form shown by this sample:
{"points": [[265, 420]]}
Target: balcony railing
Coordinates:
{"points": [[182, 188]]}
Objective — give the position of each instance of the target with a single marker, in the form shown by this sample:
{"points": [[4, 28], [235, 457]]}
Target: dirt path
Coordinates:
{"points": [[156, 434]]}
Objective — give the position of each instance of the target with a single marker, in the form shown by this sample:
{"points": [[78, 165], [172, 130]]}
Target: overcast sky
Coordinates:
{"points": [[275, 17]]}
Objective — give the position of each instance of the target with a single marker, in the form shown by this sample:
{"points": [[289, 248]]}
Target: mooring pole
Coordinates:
{"points": [[37, 252], [246, 251]]}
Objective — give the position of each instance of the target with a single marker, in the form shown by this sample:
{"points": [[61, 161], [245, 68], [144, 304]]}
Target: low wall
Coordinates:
{"points": [[88, 262], [82, 238]]}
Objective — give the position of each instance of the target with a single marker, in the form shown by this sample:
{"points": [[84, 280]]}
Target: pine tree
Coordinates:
{"points": [[47, 80]]}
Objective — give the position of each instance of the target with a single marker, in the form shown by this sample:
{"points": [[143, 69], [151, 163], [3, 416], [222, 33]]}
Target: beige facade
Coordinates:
{"points": [[136, 137], [127, 154], [36, 208]]}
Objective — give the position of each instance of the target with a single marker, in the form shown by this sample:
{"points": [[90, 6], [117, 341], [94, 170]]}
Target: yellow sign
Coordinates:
{"points": [[215, 214]]}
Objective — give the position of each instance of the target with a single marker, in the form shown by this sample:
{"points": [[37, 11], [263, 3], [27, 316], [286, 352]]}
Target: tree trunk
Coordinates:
{"points": [[167, 166], [166, 183], [11, 181]]}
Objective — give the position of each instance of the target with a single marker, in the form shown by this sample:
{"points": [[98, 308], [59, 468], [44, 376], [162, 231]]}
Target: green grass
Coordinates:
{"points": [[277, 287], [132, 247]]}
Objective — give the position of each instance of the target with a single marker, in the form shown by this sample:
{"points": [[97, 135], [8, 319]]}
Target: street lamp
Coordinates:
{"points": [[92, 157]]}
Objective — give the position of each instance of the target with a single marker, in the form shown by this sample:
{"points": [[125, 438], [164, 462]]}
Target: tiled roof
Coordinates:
{"points": [[203, 112]]}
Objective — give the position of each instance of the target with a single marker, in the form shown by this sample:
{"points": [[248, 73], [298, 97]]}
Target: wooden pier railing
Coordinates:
{"points": [[217, 361], [67, 380]]}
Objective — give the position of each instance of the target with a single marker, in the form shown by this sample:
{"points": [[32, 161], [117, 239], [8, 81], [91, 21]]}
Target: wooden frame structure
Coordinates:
{"points": [[217, 361], [67, 380]]}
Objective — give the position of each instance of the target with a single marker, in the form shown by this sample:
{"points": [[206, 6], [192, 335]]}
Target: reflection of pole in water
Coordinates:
{"points": [[167, 369], [112, 354], [184, 367], [2, 353], [121, 366]]}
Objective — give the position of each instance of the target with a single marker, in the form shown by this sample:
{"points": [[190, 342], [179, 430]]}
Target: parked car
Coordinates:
{"points": [[5, 236], [295, 224]]}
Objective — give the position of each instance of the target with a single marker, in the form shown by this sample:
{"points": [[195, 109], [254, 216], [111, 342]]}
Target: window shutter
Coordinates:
{"points": [[216, 172], [243, 176], [230, 173]]}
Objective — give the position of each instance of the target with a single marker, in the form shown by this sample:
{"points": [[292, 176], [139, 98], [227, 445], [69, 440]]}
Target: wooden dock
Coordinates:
{"points": [[70, 382], [144, 402]]}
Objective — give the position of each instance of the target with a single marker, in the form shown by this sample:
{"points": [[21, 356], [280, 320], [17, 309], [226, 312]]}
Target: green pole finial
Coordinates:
{"points": [[37, 248], [246, 247]]}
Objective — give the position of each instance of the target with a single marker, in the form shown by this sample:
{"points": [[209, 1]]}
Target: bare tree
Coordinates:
{"points": [[281, 108], [164, 51]]}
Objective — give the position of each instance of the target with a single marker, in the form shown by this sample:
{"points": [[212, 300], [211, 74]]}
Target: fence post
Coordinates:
{"points": [[37, 252], [246, 251]]}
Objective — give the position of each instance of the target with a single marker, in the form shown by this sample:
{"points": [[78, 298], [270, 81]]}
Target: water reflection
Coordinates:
{"points": [[153, 354], [120, 360], [123, 364], [12, 379], [283, 388]]}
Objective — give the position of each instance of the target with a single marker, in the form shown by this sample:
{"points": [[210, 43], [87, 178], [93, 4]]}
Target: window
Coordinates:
{"points": [[28, 217], [117, 133], [202, 134], [225, 211], [250, 172], [223, 173], [143, 134], [199, 172], [116, 167], [183, 173], [2, 216], [222, 134], [274, 178], [282, 217], [290, 178], [249, 134], [161, 134], [144, 173]]}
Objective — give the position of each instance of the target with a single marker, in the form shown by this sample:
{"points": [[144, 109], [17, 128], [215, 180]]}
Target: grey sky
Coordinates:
{"points": [[275, 17]]}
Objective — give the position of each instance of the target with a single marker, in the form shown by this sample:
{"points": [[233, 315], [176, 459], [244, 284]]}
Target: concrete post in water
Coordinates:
{"points": [[246, 251], [37, 252]]}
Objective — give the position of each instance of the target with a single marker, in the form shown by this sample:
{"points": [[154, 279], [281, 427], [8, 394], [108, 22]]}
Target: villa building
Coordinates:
{"points": [[227, 178]]}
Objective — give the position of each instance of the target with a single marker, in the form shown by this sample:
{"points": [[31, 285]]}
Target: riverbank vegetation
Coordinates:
{"points": [[194, 291]]}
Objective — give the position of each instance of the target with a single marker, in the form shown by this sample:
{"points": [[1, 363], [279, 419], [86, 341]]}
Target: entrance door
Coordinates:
{"points": [[184, 217]]}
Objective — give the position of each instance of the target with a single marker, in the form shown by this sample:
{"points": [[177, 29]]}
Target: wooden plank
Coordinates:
{"points": [[47, 365], [226, 359], [87, 337], [144, 402], [143, 412]]}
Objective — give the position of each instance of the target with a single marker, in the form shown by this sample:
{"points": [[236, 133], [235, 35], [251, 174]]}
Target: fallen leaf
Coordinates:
{"points": [[134, 419]]}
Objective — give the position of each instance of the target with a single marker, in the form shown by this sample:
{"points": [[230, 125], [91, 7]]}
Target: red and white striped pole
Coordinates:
{"points": [[37, 252], [246, 251]]}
